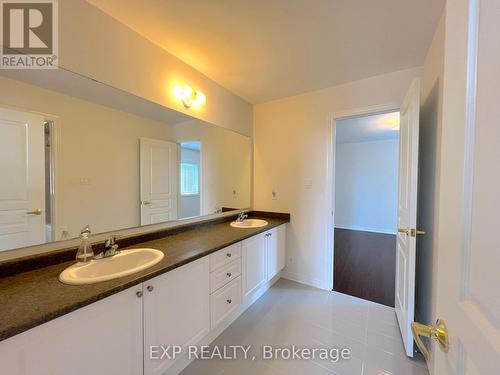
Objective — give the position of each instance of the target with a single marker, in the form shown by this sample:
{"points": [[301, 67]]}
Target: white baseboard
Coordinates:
{"points": [[365, 229], [315, 283]]}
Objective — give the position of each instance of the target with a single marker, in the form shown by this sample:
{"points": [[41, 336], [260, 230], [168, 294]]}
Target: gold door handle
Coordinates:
{"points": [[36, 211], [411, 231], [439, 332], [146, 203], [404, 230], [416, 232]]}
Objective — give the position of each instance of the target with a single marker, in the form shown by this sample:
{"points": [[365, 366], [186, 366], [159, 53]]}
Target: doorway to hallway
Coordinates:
{"points": [[365, 213]]}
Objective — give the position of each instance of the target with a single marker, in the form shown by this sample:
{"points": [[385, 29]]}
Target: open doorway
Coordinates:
{"points": [[365, 206], [190, 167]]}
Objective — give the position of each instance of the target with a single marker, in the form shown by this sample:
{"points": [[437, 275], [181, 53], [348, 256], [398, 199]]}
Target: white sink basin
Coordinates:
{"points": [[122, 264], [249, 223]]}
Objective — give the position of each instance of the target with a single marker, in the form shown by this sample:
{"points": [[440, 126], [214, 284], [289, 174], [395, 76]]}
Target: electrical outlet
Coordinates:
{"points": [[85, 181]]}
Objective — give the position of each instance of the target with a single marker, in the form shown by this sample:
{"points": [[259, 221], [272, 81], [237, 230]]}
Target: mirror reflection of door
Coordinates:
{"points": [[22, 185], [159, 180], [190, 181]]}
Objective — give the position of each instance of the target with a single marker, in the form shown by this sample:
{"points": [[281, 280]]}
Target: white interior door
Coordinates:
{"points": [[22, 181], [159, 180], [468, 278], [407, 214]]}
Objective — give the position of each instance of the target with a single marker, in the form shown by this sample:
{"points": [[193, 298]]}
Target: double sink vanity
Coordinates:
{"points": [[130, 261], [177, 287], [172, 191]]}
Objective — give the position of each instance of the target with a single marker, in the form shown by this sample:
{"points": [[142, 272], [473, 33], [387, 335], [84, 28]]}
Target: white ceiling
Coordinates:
{"points": [[371, 128], [268, 49]]}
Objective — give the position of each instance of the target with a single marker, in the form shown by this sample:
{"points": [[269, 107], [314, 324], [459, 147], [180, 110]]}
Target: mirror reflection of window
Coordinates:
{"points": [[189, 179]]}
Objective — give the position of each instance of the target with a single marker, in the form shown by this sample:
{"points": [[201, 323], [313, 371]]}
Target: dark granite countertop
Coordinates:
{"points": [[34, 297]]}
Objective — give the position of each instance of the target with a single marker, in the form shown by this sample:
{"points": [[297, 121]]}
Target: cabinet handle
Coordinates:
{"points": [[229, 301], [150, 288], [229, 274], [228, 255], [138, 294]]}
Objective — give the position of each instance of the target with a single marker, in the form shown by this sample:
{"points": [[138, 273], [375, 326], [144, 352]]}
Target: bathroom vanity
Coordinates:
{"points": [[210, 274], [166, 183]]}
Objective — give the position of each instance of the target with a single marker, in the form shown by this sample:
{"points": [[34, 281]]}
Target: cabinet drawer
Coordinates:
{"points": [[225, 274], [225, 301], [224, 256]]}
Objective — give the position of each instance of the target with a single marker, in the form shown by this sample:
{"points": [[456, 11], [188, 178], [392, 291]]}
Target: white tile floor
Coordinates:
{"points": [[295, 314]]}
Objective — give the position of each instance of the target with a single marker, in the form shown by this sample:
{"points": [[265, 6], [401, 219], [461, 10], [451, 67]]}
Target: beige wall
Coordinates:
{"points": [[225, 165], [96, 143], [291, 155], [101, 146], [96, 45], [430, 150]]}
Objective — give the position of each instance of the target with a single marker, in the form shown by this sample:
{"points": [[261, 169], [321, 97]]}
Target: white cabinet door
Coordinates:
{"points": [[176, 311], [254, 251], [102, 338], [225, 301], [276, 250]]}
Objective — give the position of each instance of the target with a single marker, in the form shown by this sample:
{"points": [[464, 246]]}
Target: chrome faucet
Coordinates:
{"points": [[241, 217], [110, 248]]}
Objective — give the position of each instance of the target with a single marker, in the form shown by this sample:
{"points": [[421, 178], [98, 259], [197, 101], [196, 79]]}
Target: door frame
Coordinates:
{"points": [[55, 139], [330, 177], [55, 149]]}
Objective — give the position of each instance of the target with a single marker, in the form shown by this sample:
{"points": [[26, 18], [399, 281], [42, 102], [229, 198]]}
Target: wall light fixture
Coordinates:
{"points": [[189, 97]]}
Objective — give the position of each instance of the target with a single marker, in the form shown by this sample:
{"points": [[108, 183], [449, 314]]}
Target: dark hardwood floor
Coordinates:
{"points": [[365, 265]]}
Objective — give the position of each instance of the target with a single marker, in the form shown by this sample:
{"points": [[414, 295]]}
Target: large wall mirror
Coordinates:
{"points": [[75, 152]]}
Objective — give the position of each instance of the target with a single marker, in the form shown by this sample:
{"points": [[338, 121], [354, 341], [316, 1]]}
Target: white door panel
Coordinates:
{"points": [[159, 180], [468, 275], [407, 214], [22, 186]]}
